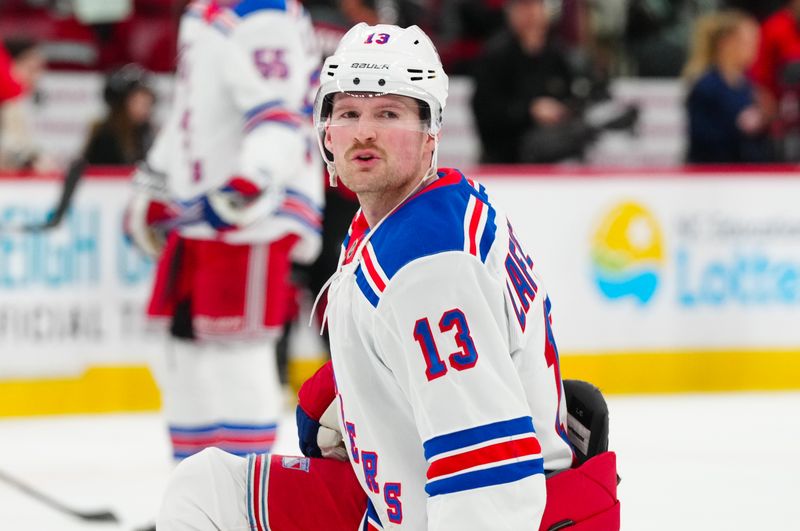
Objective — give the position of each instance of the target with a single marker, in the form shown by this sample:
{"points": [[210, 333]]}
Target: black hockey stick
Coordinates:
{"points": [[71, 178], [89, 516]]}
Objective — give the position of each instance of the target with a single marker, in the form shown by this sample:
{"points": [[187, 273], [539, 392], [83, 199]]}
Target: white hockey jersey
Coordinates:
{"points": [[446, 365], [241, 107]]}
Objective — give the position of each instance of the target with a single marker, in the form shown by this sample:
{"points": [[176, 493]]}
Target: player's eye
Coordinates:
{"points": [[390, 115], [347, 115]]}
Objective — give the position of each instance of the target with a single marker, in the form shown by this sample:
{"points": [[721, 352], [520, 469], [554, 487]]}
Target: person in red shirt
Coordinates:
{"points": [[773, 72], [19, 149], [10, 88]]}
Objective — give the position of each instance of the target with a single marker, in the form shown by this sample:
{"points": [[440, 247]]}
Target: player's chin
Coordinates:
{"points": [[360, 178]]}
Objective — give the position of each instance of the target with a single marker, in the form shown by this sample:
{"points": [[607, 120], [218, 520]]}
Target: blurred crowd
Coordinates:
{"points": [[538, 66]]}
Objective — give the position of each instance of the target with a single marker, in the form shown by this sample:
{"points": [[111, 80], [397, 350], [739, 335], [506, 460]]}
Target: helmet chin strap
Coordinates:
{"points": [[332, 180]]}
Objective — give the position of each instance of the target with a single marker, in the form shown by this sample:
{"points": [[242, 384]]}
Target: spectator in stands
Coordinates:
{"points": [[760, 9], [658, 34], [9, 86], [530, 100], [725, 124], [462, 29], [18, 148], [126, 133], [522, 81], [776, 73]]}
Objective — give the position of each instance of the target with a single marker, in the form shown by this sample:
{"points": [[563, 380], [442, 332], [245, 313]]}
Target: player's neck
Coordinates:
{"points": [[377, 205]]}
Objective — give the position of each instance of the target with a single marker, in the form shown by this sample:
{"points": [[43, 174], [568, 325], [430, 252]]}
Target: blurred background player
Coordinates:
{"points": [[126, 132], [725, 123], [236, 167]]}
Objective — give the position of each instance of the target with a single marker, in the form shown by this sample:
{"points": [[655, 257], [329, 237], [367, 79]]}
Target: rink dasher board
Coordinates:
{"points": [[73, 337], [702, 294], [658, 280]]}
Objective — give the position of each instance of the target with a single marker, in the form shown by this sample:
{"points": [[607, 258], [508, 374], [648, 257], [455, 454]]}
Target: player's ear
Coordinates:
{"points": [[430, 142], [328, 143]]}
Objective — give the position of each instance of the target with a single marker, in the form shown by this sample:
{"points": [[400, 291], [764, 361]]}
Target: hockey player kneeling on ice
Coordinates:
{"points": [[449, 402], [215, 490]]}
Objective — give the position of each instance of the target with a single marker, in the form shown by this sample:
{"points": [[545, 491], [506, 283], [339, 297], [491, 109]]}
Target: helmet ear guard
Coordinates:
{"points": [[383, 60]]}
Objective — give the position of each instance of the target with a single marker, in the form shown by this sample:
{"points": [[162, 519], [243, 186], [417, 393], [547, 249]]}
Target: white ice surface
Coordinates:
{"points": [[725, 462]]}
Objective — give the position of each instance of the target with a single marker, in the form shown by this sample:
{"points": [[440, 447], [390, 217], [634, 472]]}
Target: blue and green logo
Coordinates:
{"points": [[628, 253]]}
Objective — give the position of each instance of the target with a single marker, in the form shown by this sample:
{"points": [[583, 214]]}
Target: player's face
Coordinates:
{"points": [[379, 143]]}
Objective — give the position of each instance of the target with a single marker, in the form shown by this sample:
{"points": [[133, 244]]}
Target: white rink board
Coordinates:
{"points": [[728, 276], [73, 297]]}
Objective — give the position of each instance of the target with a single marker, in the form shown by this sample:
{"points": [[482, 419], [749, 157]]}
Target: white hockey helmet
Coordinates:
{"points": [[382, 59]]}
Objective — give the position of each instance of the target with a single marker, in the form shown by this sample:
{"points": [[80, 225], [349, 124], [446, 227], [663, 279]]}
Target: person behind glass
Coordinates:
{"points": [[522, 81], [18, 146], [725, 124], [125, 134], [10, 88], [776, 74]]}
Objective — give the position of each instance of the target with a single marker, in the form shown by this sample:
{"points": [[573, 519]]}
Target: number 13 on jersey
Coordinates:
{"points": [[465, 358]]}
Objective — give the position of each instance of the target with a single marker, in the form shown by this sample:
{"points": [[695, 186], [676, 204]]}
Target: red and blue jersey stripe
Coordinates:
{"points": [[238, 439], [272, 112], [226, 19], [370, 522], [247, 7], [257, 474], [551, 355], [482, 456], [449, 214], [359, 228], [302, 209]]}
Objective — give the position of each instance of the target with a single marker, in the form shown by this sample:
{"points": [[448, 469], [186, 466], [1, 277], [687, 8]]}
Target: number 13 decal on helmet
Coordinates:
{"points": [[382, 38]]}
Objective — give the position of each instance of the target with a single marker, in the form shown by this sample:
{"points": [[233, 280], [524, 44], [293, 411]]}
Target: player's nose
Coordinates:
{"points": [[365, 130]]}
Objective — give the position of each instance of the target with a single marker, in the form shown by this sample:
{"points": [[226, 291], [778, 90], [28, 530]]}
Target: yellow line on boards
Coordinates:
{"points": [[132, 388], [686, 371], [98, 390]]}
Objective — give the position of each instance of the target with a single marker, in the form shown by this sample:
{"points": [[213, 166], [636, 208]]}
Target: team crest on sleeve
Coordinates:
{"points": [[296, 463]]}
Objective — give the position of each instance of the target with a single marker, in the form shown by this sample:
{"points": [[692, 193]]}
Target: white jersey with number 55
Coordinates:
{"points": [[241, 109]]}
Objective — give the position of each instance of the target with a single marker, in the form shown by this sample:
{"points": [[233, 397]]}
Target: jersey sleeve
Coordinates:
{"points": [[268, 71], [763, 70], [158, 156], [442, 330]]}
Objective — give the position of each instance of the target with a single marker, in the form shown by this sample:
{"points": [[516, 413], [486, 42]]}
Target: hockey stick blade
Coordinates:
{"points": [[89, 516]]}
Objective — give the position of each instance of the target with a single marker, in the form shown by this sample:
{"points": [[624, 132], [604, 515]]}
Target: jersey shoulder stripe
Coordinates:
{"points": [[448, 215], [274, 111], [301, 208], [248, 7], [492, 454], [366, 287]]}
